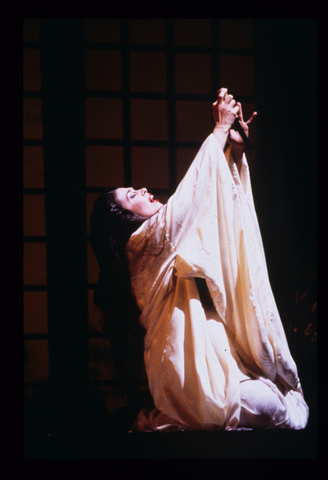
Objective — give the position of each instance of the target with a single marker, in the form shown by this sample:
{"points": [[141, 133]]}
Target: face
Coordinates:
{"points": [[138, 201]]}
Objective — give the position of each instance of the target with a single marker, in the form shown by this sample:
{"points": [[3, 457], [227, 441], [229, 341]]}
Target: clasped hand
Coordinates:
{"points": [[225, 111]]}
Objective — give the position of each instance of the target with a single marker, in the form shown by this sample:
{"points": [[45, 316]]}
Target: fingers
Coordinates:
{"points": [[240, 115], [235, 106], [233, 135], [235, 111], [229, 99], [221, 93], [240, 112], [251, 118]]}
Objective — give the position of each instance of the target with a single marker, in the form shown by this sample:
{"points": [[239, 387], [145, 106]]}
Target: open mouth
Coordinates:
{"points": [[152, 199]]}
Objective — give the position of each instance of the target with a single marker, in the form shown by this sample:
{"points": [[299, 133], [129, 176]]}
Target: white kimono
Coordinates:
{"points": [[196, 357]]}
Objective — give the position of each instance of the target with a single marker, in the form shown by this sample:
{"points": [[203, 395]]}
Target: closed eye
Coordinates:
{"points": [[130, 194]]}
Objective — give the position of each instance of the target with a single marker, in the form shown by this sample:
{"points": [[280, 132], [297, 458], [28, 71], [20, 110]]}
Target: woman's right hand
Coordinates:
{"points": [[225, 109]]}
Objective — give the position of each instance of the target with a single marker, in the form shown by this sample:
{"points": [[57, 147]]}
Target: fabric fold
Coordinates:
{"points": [[196, 357]]}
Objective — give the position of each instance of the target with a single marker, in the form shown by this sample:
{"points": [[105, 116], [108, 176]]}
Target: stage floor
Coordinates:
{"points": [[248, 444]]}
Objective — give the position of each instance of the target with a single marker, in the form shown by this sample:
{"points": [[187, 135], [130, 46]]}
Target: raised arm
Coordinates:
{"points": [[225, 110], [234, 139]]}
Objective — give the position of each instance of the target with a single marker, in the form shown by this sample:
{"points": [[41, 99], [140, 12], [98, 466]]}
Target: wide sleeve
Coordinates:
{"points": [[212, 227], [200, 220], [196, 190]]}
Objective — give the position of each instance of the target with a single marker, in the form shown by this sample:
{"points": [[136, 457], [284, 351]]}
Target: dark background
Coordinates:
{"points": [[63, 420], [286, 143]]}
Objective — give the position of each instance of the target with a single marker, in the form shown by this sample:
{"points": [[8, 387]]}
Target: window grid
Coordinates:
{"points": [[171, 49], [171, 97], [43, 338], [125, 47]]}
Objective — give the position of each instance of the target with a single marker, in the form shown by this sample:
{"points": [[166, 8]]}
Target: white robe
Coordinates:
{"points": [[197, 358]]}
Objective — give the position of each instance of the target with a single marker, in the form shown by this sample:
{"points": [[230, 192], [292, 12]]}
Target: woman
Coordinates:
{"points": [[221, 363]]}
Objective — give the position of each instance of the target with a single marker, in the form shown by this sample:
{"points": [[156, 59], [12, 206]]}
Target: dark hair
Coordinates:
{"points": [[110, 229]]}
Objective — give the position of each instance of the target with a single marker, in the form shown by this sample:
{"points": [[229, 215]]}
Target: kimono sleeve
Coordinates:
{"points": [[198, 213]]}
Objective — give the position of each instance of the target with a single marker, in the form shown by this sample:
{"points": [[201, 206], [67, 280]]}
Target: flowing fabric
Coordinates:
{"points": [[198, 358]]}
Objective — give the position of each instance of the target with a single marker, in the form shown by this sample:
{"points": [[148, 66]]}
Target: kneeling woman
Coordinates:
{"points": [[218, 364]]}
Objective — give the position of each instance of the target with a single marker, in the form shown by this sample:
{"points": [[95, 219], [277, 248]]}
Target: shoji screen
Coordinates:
{"points": [[148, 89]]}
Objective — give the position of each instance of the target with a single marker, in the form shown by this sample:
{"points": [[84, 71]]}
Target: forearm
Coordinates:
{"points": [[235, 140], [225, 111], [221, 133], [237, 154]]}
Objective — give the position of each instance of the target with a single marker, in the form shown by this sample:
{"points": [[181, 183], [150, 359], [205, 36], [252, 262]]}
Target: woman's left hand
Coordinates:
{"points": [[234, 138]]}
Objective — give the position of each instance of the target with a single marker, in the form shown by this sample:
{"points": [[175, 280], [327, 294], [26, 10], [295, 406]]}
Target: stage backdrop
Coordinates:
{"points": [[111, 103]]}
